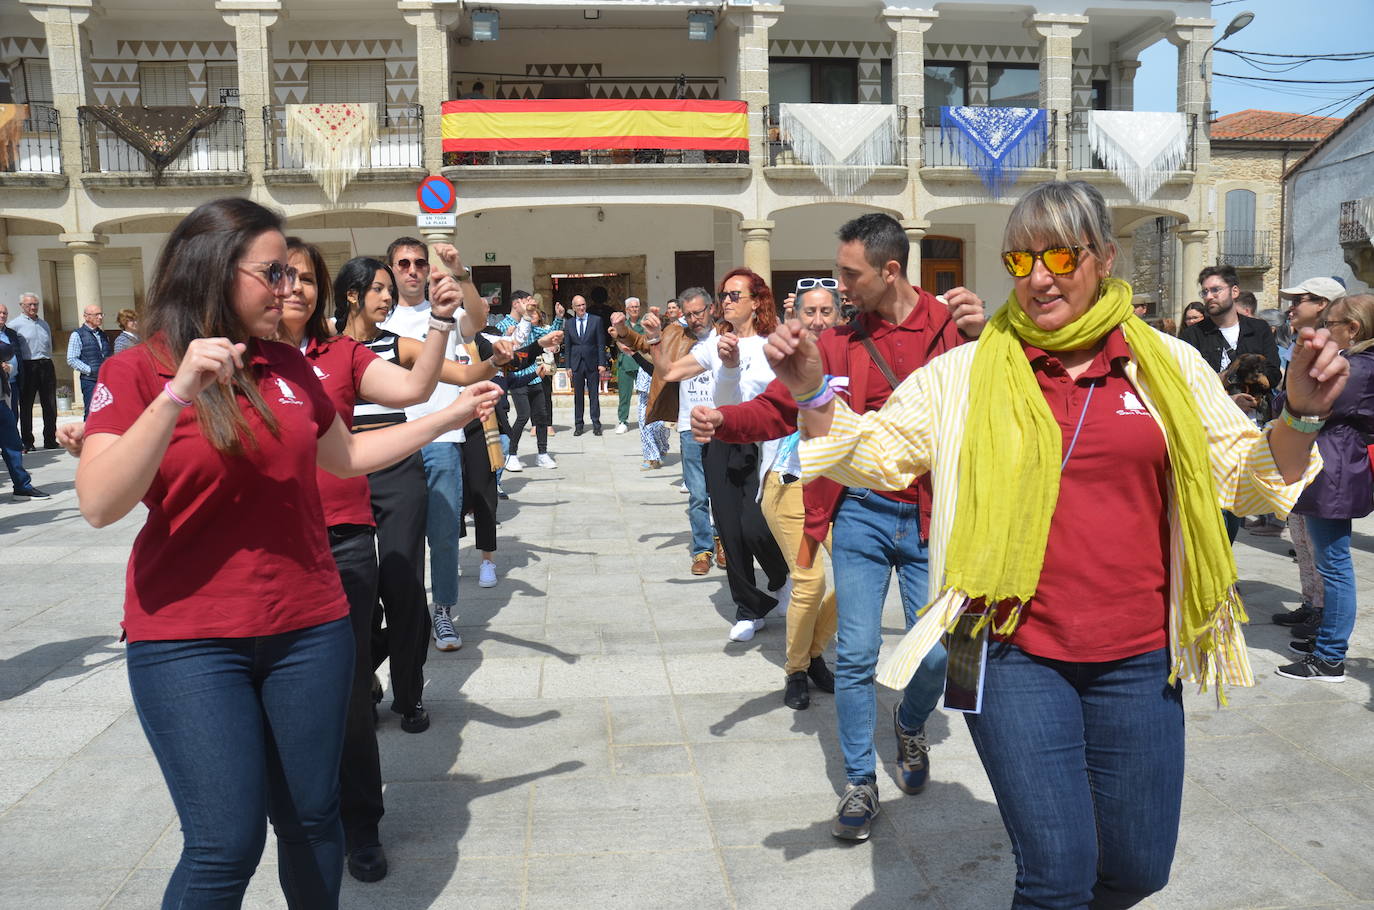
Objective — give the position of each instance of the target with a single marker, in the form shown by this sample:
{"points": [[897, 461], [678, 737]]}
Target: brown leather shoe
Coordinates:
{"points": [[720, 554], [701, 563]]}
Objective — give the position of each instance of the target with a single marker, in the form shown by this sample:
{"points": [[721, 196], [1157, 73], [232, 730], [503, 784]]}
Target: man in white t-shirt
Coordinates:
{"points": [[409, 261]]}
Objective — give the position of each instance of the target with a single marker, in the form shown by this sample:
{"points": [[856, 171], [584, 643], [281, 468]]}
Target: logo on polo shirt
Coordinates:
{"points": [[287, 396], [1131, 405], [320, 374], [101, 398]]}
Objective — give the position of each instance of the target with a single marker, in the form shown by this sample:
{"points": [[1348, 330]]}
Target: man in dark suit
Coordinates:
{"points": [[585, 335]]}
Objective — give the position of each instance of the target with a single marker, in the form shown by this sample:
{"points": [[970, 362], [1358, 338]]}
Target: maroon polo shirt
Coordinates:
{"points": [[339, 364], [232, 546], [1104, 589]]}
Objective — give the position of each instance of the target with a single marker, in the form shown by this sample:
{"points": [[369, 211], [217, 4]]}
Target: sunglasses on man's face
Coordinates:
{"points": [[1059, 260], [806, 284], [405, 264]]}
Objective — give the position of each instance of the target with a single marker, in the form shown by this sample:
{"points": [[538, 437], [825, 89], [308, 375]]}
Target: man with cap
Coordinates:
{"points": [[1310, 300]]}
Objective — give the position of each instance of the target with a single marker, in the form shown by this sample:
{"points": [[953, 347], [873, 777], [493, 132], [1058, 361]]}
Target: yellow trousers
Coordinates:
{"points": [[811, 613]]}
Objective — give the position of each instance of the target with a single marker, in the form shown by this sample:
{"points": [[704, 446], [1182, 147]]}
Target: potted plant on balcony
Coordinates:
{"points": [[64, 398]]}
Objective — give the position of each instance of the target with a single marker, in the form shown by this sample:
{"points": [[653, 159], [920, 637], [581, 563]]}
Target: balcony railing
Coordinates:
{"points": [[217, 148], [780, 150], [1353, 228], [400, 139], [40, 143], [1081, 157], [1244, 249], [937, 153]]}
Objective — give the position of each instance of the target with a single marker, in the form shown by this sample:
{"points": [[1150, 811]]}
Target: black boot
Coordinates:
{"points": [[795, 695]]}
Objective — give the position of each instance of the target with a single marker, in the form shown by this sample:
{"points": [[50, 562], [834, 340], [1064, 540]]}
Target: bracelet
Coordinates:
{"points": [[816, 393], [442, 324], [176, 399], [820, 400], [1302, 423]]}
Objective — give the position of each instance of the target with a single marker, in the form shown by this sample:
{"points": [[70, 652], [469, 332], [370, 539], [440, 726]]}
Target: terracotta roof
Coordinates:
{"points": [[1268, 126]]}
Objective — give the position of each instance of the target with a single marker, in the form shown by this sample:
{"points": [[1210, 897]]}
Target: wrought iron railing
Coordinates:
{"points": [[780, 150], [1082, 158], [1244, 249], [217, 148], [400, 138], [935, 152], [1352, 228], [40, 143]]}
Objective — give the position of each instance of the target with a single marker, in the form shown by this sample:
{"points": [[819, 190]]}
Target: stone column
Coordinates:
{"points": [[1056, 33], [86, 276], [6, 257], [250, 20], [69, 63], [1194, 240], [1191, 37], [758, 250], [432, 20], [909, 70], [915, 232], [1123, 85], [751, 25]]}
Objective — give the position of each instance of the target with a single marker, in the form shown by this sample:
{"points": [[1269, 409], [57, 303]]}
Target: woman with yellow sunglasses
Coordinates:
{"points": [[1078, 459]]}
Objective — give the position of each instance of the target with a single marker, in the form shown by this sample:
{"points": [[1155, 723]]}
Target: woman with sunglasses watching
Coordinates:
{"points": [[733, 353], [1078, 458], [240, 654], [1342, 492]]}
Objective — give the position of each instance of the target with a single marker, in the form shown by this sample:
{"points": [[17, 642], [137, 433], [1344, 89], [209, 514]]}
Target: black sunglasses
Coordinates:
{"points": [[404, 264]]}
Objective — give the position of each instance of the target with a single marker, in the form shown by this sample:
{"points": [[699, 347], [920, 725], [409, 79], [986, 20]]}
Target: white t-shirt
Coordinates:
{"points": [[700, 389], [734, 385], [413, 322], [1232, 336]]}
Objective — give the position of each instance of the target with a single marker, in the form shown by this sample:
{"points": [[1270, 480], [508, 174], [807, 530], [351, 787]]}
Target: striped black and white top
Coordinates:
{"points": [[369, 416]]}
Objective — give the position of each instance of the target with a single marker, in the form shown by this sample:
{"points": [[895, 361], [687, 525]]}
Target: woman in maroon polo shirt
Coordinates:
{"points": [[240, 654]]}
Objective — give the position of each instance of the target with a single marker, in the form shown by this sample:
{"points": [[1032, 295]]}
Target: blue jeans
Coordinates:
{"points": [[698, 504], [871, 536], [246, 729], [443, 524], [1086, 761], [1331, 549], [12, 448]]}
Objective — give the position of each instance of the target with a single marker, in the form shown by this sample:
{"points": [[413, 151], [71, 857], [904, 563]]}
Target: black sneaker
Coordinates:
{"points": [[820, 674], [376, 689], [913, 756], [367, 864], [30, 493], [1303, 614], [1307, 629], [415, 721], [854, 816], [795, 695], [1314, 668], [1302, 645]]}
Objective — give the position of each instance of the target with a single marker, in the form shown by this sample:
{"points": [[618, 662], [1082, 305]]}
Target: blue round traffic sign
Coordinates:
{"points": [[435, 194]]}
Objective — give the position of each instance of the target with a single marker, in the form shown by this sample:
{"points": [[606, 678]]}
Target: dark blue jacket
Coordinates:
{"points": [[1345, 487], [586, 351]]}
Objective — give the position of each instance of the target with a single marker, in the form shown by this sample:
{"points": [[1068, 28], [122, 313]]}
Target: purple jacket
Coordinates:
{"points": [[1345, 487]]}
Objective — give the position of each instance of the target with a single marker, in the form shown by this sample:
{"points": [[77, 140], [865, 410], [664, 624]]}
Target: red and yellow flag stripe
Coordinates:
{"points": [[483, 126]]}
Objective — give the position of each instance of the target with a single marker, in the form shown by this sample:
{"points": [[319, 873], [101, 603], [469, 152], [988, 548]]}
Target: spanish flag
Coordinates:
{"points": [[517, 126]]}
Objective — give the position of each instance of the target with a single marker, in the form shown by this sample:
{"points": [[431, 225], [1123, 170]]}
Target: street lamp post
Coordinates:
{"points": [[1241, 20]]}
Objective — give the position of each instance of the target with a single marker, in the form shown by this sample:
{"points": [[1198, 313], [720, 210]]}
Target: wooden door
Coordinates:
{"points": [[693, 269], [939, 275]]}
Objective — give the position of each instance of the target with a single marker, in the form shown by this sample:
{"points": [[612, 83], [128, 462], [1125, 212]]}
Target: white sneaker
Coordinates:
{"points": [[513, 464], [745, 629], [446, 638], [545, 460], [486, 574], [784, 596], [621, 429], [683, 487]]}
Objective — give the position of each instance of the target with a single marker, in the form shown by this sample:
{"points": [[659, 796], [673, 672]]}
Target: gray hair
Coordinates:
{"points": [[695, 294], [36, 298], [834, 296], [635, 299], [1067, 213]]}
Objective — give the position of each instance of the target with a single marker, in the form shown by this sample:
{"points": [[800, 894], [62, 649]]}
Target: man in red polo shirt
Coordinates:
{"points": [[898, 329]]}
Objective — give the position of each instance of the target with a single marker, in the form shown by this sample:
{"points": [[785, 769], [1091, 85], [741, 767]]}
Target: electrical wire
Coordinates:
{"points": [[1269, 128], [1301, 81]]}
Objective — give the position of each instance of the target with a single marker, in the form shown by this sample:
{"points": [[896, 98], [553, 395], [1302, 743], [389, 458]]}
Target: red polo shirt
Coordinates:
{"points": [[1104, 590], [339, 364], [233, 546]]}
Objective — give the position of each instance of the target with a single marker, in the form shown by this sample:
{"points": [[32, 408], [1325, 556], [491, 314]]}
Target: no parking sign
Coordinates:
{"points": [[436, 197]]}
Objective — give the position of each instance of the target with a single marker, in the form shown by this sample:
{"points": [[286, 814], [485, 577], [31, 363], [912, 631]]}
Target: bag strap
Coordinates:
{"points": [[872, 349]]}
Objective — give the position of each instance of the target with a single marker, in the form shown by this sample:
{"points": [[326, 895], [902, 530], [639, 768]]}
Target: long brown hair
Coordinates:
{"points": [[766, 312], [317, 326], [192, 297]]}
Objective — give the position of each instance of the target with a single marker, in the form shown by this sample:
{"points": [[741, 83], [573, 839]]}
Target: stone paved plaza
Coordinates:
{"points": [[598, 743]]}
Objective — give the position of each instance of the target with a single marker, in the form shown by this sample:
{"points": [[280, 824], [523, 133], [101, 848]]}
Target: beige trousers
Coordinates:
{"points": [[811, 613]]}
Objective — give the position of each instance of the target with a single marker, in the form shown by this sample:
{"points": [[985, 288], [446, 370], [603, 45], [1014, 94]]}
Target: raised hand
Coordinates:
{"points": [[71, 436], [795, 358], [617, 320], [705, 421], [727, 346], [206, 360], [559, 310], [1316, 374], [475, 402], [789, 305], [653, 326], [444, 296], [502, 351], [552, 339], [966, 309], [448, 255]]}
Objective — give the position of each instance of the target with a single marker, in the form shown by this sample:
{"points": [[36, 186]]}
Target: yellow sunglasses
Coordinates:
{"points": [[1060, 260]]}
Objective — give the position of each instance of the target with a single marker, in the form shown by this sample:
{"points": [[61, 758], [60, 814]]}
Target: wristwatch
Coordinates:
{"points": [[464, 275]]}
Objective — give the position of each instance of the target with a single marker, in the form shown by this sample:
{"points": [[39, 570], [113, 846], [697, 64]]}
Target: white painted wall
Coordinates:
{"points": [[1339, 172]]}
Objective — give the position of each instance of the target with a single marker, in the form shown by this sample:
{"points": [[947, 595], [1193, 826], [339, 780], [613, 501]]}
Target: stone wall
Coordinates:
{"points": [[1235, 166]]}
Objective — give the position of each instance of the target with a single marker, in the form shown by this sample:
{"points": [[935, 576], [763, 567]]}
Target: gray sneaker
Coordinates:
{"points": [[854, 816], [446, 638], [913, 756]]}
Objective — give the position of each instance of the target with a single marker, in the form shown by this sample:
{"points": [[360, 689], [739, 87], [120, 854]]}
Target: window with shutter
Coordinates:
{"points": [[116, 293], [1238, 246], [34, 85], [222, 85], [359, 81], [164, 84]]}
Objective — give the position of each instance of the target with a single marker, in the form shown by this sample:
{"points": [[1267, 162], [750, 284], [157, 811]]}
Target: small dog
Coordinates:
{"points": [[1245, 376]]}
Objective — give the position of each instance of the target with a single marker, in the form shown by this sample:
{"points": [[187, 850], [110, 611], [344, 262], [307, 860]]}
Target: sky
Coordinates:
{"points": [[1280, 27]]}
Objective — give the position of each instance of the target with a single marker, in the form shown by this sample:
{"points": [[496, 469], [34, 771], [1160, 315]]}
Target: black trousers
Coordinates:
{"points": [[479, 487], [532, 406], [400, 507], [360, 767], [732, 482], [39, 381], [587, 382]]}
